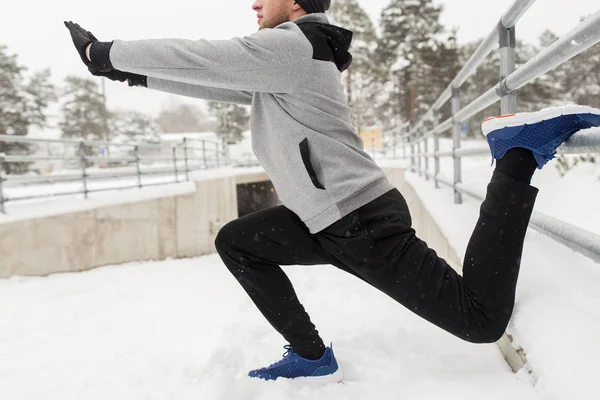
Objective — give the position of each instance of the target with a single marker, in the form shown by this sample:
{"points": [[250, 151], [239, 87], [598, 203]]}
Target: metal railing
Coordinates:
{"points": [[93, 166], [416, 138]]}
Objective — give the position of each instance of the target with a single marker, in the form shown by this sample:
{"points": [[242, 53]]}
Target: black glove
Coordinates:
{"points": [[81, 39], [121, 76]]}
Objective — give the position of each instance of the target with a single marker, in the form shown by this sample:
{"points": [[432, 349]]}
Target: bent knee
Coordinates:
{"points": [[488, 334], [225, 237]]}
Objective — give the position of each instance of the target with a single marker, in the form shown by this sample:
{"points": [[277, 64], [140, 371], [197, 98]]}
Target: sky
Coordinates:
{"points": [[34, 29]]}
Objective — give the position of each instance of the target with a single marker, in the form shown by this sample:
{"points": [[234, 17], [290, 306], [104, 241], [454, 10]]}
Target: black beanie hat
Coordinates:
{"points": [[314, 6]]}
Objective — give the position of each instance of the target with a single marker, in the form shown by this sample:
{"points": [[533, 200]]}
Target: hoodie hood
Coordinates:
{"points": [[338, 39]]}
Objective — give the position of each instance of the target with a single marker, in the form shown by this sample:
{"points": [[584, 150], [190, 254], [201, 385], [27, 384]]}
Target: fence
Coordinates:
{"points": [[93, 166], [416, 137]]}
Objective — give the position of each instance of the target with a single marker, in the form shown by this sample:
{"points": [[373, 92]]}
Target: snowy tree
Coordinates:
{"points": [[419, 56], [579, 80], [23, 103], [360, 78], [134, 125], [83, 112], [232, 120], [581, 77]]}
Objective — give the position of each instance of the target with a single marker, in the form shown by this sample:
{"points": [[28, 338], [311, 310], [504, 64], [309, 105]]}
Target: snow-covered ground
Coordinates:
{"points": [[557, 314], [185, 330]]}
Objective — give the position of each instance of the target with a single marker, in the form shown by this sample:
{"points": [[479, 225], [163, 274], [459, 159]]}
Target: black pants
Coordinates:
{"points": [[377, 244]]}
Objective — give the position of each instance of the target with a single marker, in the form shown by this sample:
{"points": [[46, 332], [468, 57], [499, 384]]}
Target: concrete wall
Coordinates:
{"points": [[183, 225]]}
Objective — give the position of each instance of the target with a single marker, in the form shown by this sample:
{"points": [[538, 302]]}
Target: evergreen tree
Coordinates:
{"points": [[134, 125], [232, 120], [360, 78], [23, 103], [579, 83], [441, 63], [420, 58], [83, 113], [580, 77]]}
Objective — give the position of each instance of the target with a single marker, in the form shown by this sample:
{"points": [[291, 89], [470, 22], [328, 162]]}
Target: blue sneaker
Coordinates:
{"points": [[541, 132], [292, 366]]}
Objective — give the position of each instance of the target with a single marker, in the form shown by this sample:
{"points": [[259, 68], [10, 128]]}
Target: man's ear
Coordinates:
{"points": [[296, 6]]}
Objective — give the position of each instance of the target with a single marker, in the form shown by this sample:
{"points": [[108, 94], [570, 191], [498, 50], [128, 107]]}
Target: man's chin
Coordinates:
{"points": [[271, 25]]}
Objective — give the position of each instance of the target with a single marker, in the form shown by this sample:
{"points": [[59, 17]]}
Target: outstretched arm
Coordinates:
{"points": [[200, 92], [270, 60], [183, 89]]}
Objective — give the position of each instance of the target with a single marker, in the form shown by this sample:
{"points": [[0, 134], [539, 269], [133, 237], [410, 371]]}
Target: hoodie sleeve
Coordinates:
{"points": [[201, 92], [270, 60]]}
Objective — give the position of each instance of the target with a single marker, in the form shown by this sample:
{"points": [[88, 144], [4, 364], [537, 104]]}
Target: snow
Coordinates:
{"points": [[557, 313], [154, 330], [185, 329]]}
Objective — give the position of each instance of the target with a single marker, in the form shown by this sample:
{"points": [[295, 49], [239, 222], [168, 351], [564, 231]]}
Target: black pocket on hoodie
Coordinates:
{"points": [[305, 153]]}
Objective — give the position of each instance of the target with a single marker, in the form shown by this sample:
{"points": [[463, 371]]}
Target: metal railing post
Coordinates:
{"points": [[425, 156], [404, 140], [394, 144], [2, 209], [507, 43], [217, 149], [436, 148], [82, 162], [137, 165], [185, 158], [204, 154], [456, 132], [174, 151]]}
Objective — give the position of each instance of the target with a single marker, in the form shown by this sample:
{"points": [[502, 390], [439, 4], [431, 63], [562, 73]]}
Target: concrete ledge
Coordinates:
{"points": [[181, 225]]}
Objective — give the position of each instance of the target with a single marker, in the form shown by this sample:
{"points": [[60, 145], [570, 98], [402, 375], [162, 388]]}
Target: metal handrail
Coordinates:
{"points": [[508, 21], [173, 159], [578, 239], [92, 142], [582, 142], [582, 37]]}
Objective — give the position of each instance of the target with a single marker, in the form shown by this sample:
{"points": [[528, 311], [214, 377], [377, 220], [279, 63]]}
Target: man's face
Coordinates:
{"points": [[271, 13]]}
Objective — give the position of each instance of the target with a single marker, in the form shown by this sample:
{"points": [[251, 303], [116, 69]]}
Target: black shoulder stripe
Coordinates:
{"points": [[318, 40]]}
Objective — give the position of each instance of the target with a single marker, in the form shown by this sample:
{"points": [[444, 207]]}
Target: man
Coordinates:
{"points": [[338, 207]]}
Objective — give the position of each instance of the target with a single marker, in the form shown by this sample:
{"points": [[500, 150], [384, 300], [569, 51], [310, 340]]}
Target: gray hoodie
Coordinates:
{"points": [[302, 132]]}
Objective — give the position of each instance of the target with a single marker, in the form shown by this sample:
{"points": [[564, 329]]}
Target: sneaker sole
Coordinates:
{"points": [[336, 377], [505, 121]]}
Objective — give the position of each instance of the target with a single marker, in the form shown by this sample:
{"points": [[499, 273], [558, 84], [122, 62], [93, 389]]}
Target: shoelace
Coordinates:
{"points": [[288, 351]]}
